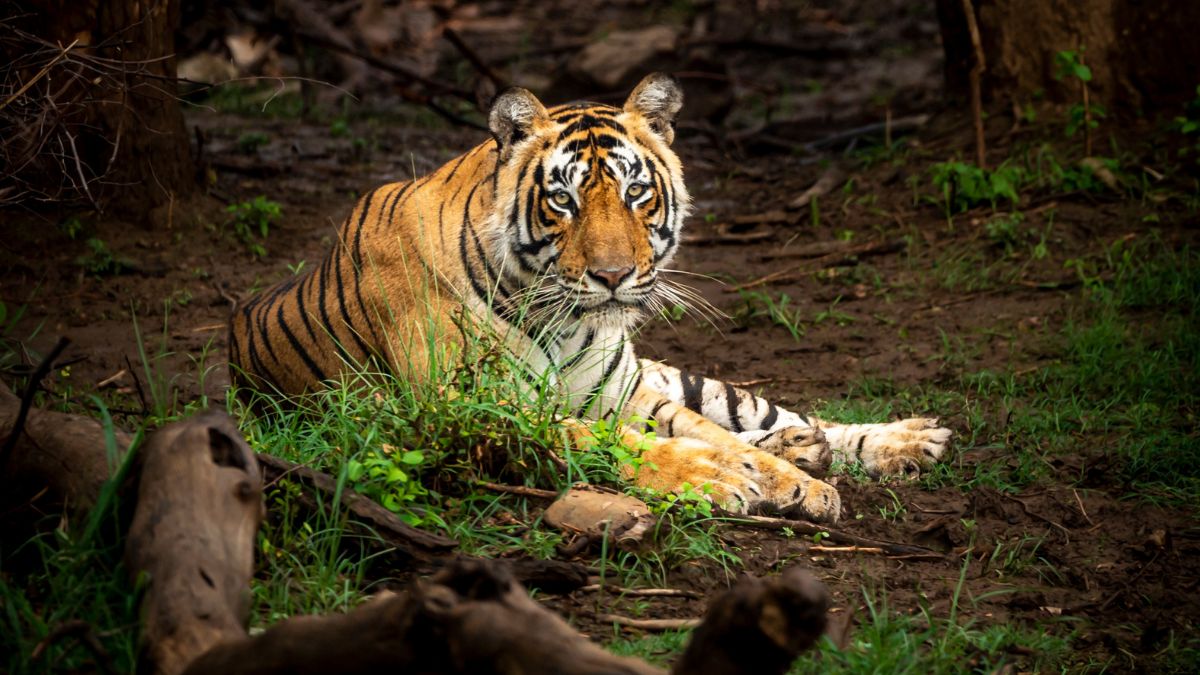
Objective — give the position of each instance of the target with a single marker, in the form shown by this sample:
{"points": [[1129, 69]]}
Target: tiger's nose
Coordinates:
{"points": [[611, 277]]}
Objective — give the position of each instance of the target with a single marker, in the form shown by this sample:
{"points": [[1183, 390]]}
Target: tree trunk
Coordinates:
{"points": [[111, 103], [1142, 54]]}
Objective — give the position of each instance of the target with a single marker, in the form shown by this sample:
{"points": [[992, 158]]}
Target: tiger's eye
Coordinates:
{"points": [[636, 190], [562, 197]]}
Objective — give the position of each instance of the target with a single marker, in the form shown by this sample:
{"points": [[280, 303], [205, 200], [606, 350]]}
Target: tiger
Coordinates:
{"points": [[555, 234]]}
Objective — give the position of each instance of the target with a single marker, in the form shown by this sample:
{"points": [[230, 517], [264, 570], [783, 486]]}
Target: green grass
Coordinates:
{"points": [[1120, 384]]}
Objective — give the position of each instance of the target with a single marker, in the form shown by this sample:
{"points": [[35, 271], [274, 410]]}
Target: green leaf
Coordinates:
{"points": [[412, 457], [1083, 72], [396, 475]]}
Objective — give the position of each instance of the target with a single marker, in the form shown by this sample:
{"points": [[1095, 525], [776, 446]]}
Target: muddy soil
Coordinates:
{"points": [[1121, 573]]}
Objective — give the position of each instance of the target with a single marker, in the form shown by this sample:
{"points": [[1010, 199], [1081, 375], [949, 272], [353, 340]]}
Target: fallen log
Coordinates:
{"points": [[64, 453], [199, 504]]}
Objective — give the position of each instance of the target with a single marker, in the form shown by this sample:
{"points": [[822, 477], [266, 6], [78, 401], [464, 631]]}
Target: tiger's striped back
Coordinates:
{"points": [[553, 232]]}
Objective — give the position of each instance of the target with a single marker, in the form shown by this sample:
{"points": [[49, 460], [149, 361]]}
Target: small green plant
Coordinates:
{"points": [[1188, 124], [72, 226], [386, 472], [249, 142], [832, 313], [1005, 229], [894, 511], [963, 186], [100, 260], [780, 311], [1068, 64], [339, 128], [252, 222]]}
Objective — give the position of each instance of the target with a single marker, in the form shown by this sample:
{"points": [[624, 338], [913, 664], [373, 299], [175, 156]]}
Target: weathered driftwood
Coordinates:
{"points": [[199, 504], [63, 453], [470, 618]]}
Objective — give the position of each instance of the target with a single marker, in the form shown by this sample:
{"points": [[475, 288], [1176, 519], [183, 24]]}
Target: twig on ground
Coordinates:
{"points": [[518, 490], [910, 123], [645, 592], [848, 256], [846, 549], [648, 624], [723, 235], [31, 388], [832, 534], [829, 180], [1081, 509], [976, 81]]}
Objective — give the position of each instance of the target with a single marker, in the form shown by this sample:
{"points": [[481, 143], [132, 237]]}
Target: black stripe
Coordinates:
{"points": [[301, 291], [313, 368], [364, 351], [693, 389], [322, 294], [608, 372], [770, 419], [658, 406], [587, 342], [731, 405]]}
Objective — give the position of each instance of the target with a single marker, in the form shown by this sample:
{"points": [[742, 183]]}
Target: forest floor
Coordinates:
{"points": [[1055, 332]]}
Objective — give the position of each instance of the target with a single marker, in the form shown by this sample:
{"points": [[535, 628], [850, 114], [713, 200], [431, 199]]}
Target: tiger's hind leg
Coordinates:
{"points": [[753, 420], [902, 448]]}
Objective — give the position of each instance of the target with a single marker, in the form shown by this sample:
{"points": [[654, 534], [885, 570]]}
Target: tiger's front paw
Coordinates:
{"points": [[904, 448], [742, 481], [804, 446]]}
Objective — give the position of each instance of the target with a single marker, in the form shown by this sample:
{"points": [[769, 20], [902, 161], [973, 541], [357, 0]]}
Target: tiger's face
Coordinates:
{"points": [[590, 202]]}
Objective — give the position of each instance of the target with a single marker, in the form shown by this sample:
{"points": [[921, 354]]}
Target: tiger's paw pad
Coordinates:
{"points": [[905, 448], [803, 446], [816, 500]]}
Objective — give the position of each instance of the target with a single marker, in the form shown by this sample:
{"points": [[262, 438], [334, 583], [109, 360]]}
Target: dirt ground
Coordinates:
{"points": [[1124, 573]]}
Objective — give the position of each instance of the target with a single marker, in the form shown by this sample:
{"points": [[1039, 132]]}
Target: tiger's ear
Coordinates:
{"points": [[515, 113], [658, 98]]}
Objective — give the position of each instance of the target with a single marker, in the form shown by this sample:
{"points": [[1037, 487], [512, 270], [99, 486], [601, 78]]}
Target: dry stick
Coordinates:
{"points": [[847, 549], [846, 257], [1081, 509], [649, 624], [27, 400], [976, 78], [646, 592], [518, 490], [834, 535], [832, 177], [42, 73]]}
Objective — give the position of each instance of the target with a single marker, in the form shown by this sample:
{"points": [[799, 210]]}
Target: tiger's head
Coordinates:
{"points": [[589, 202]]}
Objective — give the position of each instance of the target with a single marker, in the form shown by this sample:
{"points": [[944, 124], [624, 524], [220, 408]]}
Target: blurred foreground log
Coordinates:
{"points": [[191, 542], [199, 504]]}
